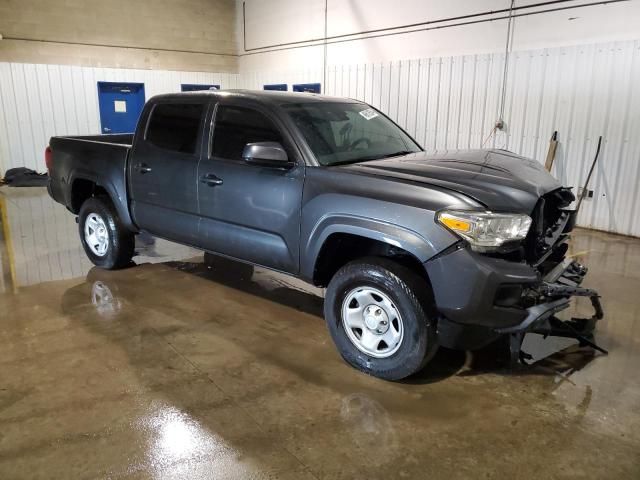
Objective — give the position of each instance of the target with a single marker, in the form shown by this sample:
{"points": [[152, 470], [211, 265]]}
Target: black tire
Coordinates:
{"points": [[121, 242], [413, 301]]}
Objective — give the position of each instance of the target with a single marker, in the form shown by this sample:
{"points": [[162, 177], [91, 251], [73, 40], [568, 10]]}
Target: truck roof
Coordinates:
{"points": [[267, 96]]}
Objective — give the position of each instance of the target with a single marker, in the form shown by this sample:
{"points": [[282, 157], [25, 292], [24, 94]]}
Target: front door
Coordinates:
{"points": [[163, 169], [120, 106], [248, 211]]}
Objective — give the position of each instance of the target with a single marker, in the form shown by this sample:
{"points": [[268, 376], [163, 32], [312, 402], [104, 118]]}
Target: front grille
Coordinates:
{"points": [[545, 245]]}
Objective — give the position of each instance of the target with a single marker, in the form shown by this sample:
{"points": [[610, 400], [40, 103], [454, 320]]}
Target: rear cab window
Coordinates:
{"points": [[175, 126]]}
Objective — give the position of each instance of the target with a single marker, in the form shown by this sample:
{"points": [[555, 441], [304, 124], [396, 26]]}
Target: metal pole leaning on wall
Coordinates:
{"points": [[551, 154], [585, 188], [507, 51], [7, 255], [324, 63]]}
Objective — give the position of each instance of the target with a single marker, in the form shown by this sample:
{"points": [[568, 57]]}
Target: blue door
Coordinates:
{"points": [[282, 87], [194, 87], [120, 106], [307, 87]]}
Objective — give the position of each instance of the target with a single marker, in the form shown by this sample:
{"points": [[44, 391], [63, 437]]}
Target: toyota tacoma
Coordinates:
{"points": [[416, 250]]}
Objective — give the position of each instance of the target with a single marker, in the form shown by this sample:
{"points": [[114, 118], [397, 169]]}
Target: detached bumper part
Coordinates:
{"points": [[557, 288]]}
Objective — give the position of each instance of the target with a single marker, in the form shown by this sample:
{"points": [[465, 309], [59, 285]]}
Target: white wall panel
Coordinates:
{"points": [[40, 101], [581, 91], [445, 103]]}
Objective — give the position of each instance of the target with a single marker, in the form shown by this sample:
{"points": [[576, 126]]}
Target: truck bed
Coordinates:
{"points": [[117, 138], [101, 159]]}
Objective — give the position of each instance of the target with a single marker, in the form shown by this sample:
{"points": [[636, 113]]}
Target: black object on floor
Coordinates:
{"points": [[24, 177]]}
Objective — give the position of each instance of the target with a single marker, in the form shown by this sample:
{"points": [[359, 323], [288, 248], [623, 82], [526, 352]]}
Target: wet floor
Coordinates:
{"points": [[178, 369]]}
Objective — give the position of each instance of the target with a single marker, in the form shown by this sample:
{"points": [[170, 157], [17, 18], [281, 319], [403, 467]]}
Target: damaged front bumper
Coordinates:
{"points": [[481, 299]]}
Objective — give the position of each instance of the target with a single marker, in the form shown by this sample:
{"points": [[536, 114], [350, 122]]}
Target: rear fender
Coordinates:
{"points": [[118, 200]]}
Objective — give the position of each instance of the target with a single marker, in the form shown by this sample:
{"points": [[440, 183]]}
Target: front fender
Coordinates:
{"points": [[422, 245]]}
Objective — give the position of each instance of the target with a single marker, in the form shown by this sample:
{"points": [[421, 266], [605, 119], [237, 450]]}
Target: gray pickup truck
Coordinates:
{"points": [[458, 249]]}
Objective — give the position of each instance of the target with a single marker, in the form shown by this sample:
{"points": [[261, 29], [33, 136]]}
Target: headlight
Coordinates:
{"points": [[486, 231]]}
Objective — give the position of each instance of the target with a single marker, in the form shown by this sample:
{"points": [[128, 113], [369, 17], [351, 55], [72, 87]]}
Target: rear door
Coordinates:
{"points": [[248, 211], [163, 169]]}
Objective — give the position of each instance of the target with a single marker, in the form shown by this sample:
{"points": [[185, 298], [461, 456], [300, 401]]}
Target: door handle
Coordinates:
{"points": [[211, 180], [143, 168]]}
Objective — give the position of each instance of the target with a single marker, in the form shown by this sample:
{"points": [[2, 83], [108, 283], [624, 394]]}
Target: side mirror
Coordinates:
{"points": [[267, 154]]}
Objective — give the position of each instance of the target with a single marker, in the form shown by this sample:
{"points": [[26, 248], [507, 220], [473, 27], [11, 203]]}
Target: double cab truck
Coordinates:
{"points": [[415, 250]]}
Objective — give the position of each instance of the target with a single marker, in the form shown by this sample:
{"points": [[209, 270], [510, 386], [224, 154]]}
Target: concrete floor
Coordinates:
{"points": [[174, 370]]}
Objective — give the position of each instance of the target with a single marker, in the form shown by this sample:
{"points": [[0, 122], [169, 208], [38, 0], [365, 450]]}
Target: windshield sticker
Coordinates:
{"points": [[369, 113]]}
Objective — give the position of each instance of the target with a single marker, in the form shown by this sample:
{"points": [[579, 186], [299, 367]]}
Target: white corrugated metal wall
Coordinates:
{"points": [[453, 102], [40, 101], [445, 103]]}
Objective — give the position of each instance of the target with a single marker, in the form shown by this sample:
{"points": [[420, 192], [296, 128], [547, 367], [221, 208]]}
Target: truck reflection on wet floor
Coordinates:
{"points": [[553, 357]]}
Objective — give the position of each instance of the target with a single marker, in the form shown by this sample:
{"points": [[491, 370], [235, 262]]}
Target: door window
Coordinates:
{"points": [[237, 126], [174, 126]]}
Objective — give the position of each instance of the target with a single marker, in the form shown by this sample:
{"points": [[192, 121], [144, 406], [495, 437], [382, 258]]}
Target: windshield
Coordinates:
{"points": [[341, 133]]}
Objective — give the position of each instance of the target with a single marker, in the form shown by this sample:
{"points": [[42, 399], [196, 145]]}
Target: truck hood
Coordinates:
{"points": [[500, 180]]}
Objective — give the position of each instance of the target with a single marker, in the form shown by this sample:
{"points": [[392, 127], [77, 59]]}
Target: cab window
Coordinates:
{"points": [[175, 126], [234, 127]]}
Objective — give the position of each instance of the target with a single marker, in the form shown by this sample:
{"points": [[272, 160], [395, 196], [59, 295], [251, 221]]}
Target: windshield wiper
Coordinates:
{"points": [[373, 157], [389, 155]]}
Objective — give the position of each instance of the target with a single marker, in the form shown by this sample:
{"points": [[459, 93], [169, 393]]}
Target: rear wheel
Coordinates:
{"points": [[107, 243], [377, 314]]}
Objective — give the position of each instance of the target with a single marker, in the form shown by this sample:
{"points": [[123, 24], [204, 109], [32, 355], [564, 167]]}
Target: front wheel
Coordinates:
{"points": [[377, 314], [107, 243]]}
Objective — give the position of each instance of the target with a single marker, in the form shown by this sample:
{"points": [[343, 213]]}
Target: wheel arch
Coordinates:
{"points": [[83, 187], [336, 241]]}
